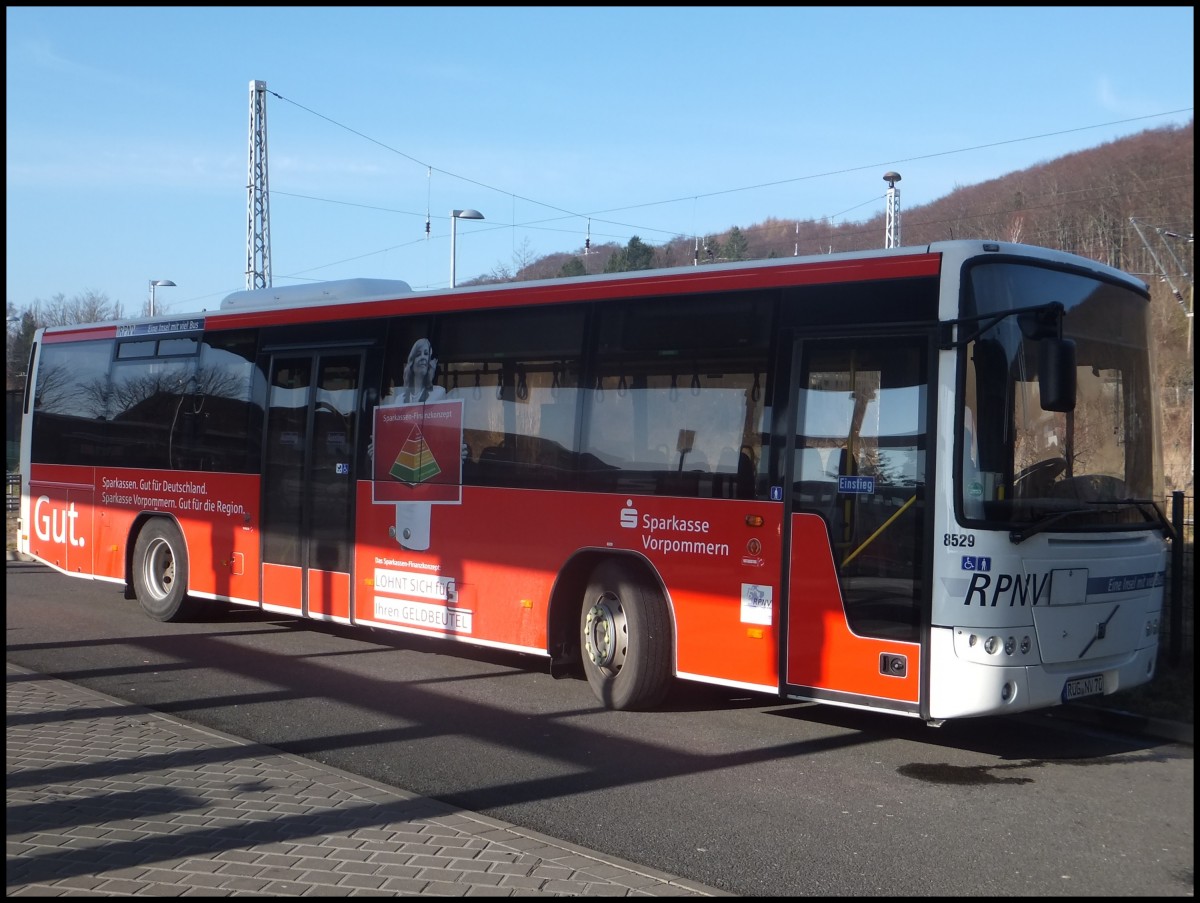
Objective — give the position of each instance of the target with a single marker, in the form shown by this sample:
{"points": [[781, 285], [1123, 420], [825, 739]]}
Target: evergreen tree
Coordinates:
{"points": [[736, 245], [573, 267], [637, 255]]}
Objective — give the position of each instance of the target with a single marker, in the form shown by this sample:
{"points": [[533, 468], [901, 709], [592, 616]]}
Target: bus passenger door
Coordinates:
{"points": [[308, 482], [857, 608]]}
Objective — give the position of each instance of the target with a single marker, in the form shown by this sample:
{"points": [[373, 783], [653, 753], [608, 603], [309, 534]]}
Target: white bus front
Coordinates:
{"points": [[1050, 554]]}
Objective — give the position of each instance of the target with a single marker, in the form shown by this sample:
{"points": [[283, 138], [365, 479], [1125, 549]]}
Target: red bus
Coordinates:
{"points": [[916, 480]]}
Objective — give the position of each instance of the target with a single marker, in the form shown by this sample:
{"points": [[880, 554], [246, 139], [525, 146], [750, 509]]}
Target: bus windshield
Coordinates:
{"points": [[1021, 464]]}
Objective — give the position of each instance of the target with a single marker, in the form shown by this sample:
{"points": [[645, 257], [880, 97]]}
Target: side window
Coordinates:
{"points": [[152, 381], [173, 402], [220, 425], [676, 404], [112, 406], [411, 368], [71, 400], [517, 373]]}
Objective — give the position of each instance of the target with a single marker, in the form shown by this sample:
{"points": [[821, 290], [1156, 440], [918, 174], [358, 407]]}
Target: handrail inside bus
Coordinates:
{"points": [[870, 539]]}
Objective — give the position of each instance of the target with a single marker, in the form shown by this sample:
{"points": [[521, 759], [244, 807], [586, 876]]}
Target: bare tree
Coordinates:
{"points": [[523, 258], [89, 307]]}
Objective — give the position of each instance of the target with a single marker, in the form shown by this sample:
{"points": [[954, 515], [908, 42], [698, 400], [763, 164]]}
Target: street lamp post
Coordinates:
{"points": [[455, 216], [155, 283]]}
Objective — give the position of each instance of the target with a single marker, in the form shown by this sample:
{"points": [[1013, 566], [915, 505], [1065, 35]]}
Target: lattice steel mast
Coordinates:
{"points": [[258, 196], [891, 228]]}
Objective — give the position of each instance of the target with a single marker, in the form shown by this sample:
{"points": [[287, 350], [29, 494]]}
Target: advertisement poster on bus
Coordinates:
{"points": [[418, 453], [417, 463]]}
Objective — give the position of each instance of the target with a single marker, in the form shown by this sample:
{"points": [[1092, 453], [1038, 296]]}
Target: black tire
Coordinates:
{"points": [[160, 572], [625, 638]]}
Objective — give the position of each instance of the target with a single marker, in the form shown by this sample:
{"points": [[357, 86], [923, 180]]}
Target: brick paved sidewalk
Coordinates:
{"points": [[105, 798]]}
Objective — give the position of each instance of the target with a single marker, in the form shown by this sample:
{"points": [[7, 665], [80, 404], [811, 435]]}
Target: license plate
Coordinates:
{"points": [[1081, 687]]}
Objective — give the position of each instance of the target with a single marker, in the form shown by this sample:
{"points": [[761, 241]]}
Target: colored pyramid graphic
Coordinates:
{"points": [[415, 463]]}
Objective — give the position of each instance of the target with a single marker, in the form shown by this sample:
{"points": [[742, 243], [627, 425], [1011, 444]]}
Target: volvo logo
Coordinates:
{"points": [[1101, 631]]}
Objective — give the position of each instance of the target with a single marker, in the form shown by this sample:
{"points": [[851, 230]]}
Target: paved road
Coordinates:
{"points": [[107, 798]]}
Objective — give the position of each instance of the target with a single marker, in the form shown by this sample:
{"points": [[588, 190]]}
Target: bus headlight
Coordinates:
{"points": [[991, 644], [1010, 645]]}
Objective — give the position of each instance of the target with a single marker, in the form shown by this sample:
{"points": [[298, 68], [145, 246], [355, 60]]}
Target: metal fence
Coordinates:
{"points": [[12, 498], [1178, 627]]}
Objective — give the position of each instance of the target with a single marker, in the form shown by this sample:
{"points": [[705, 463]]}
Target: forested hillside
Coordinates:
{"points": [[1128, 203]]}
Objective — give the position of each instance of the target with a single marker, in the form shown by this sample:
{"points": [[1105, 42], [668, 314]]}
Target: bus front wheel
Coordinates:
{"points": [[160, 572], [625, 638]]}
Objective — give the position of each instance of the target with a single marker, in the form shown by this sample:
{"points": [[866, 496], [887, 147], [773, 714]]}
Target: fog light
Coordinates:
{"points": [[1007, 692]]}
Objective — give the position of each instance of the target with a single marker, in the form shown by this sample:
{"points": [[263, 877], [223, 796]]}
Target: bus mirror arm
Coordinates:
{"points": [[1041, 321]]}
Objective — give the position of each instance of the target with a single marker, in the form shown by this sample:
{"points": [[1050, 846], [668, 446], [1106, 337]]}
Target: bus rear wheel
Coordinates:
{"points": [[160, 572], [625, 638]]}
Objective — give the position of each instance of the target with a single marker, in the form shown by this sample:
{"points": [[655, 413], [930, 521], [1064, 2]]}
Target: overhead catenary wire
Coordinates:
{"points": [[643, 229]]}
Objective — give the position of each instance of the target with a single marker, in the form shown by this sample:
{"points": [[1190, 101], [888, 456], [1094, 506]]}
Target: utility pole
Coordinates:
{"points": [[258, 196], [891, 229], [1189, 306], [1185, 304], [1162, 269]]}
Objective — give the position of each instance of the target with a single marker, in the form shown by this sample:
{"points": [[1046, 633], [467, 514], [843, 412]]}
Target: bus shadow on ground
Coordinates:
{"points": [[1039, 735]]}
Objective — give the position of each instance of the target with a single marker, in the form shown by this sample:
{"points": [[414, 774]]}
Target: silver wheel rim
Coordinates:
{"points": [[158, 569], [606, 634]]}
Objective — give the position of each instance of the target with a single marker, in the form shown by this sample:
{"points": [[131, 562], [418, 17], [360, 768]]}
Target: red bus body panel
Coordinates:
{"points": [[504, 549], [822, 651], [85, 522]]}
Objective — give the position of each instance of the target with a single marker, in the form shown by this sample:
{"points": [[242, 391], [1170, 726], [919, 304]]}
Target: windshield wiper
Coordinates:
{"points": [[1016, 537], [1156, 517], [1153, 516]]}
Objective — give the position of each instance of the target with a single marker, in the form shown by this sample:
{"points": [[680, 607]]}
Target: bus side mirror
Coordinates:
{"points": [[1056, 374]]}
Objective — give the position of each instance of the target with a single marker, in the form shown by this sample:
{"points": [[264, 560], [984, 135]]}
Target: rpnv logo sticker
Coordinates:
{"points": [[756, 603]]}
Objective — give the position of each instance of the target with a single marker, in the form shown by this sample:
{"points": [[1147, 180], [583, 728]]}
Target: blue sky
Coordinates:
{"points": [[128, 129]]}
